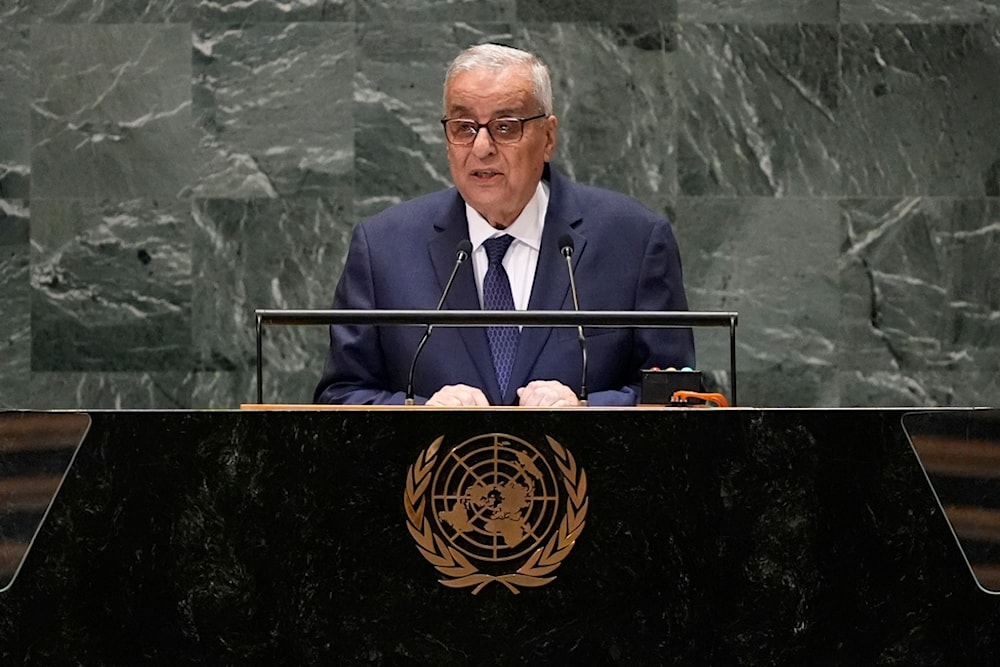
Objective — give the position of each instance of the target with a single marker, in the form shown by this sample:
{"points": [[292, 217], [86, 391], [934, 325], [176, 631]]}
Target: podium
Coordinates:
{"points": [[708, 536]]}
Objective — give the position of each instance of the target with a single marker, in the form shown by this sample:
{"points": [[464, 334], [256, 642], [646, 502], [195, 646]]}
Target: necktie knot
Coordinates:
{"points": [[496, 248]]}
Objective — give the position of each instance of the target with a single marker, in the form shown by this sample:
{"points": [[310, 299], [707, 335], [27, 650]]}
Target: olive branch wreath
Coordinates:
{"points": [[458, 570]]}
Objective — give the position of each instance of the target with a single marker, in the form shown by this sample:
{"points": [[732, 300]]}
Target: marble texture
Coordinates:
{"points": [[377, 12], [111, 111], [788, 300], [103, 390], [15, 303], [758, 105], [97, 11], [919, 11], [238, 143], [265, 253], [223, 12], [758, 11], [582, 11], [111, 285], [614, 95], [15, 128], [273, 103], [924, 104], [912, 314]]}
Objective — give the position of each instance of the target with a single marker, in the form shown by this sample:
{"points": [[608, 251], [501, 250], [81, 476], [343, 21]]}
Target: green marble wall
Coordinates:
{"points": [[832, 170]]}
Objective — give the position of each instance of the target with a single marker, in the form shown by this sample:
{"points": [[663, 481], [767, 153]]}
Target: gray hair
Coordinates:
{"points": [[497, 58]]}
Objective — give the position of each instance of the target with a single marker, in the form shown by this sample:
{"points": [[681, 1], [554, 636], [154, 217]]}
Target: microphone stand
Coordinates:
{"points": [[566, 248], [462, 251]]}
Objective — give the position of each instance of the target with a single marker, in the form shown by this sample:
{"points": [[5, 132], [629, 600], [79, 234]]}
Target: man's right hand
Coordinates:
{"points": [[457, 395]]}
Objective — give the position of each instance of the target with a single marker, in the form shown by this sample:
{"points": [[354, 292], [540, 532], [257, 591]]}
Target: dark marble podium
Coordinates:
{"points": [[722, 537]]}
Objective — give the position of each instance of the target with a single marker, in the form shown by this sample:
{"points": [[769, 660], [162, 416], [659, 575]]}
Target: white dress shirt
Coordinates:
{"points": [[522, 256]]}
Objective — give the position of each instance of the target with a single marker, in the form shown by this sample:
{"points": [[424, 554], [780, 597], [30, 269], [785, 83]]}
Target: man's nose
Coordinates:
{"points": [[483, 144]]}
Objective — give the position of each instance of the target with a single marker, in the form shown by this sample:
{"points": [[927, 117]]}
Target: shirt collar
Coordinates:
{"points": [[527, 228]]}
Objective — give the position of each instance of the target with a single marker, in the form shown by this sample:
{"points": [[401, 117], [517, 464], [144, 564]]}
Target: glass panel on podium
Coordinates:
{"points": [[959, 451], [36, 451]]}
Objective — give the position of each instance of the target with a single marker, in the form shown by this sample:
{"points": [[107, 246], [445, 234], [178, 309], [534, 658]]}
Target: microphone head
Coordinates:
{"points": [[566, 244], [463, 250]]}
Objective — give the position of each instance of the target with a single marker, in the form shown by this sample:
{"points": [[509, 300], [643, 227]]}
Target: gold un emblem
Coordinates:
{"points": [[494, 508]]}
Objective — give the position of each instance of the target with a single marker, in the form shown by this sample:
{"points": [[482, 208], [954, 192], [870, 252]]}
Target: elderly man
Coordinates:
{"points": [[513, 208]]}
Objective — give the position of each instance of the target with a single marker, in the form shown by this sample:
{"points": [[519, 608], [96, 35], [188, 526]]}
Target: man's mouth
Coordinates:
{"points": [[485, 173]]}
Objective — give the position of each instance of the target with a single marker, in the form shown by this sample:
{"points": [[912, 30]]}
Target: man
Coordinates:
{"points": [[501, 134]]}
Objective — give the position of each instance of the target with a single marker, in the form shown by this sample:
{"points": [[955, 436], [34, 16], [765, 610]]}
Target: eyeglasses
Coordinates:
{"points": [[462, 131]]}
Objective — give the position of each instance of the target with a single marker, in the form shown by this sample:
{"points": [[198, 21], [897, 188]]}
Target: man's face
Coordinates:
{"points": [[498, 179]]}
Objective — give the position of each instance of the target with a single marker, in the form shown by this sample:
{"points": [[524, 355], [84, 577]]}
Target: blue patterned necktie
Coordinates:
{"points": [[497, 296]]}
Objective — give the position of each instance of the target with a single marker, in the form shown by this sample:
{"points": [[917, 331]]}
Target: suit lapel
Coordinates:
{"points": [[550, 288], [464, 295]]}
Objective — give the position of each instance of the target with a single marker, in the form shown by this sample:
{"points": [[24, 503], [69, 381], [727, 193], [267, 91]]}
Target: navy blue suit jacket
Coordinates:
{"points": [[625, 258]]}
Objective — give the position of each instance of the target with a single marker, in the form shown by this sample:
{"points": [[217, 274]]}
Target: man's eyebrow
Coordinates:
{"points": [[465, 112], [455, 111]]}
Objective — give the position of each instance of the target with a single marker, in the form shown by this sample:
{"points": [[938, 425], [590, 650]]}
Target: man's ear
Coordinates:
{"points": [[551, 135]]}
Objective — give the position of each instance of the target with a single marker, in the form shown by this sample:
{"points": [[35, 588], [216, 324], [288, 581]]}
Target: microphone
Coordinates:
{"points": [[462, 252], [566, 248]]}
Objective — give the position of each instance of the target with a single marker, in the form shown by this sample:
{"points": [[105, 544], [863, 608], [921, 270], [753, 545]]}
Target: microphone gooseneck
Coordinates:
{"points": [[462, 251], [566, 247]]}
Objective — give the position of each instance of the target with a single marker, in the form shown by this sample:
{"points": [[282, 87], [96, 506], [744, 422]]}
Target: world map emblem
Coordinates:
{"points": [[495, 508]]}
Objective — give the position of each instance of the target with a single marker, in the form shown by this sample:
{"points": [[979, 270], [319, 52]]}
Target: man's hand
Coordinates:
{"points": [[546, 393], [454, 395]]}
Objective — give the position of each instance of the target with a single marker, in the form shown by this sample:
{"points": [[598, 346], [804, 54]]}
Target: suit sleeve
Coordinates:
{"points": [[659, 287], [355, 369]]}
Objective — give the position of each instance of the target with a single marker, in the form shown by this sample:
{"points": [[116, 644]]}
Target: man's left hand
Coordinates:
{"points": [[546, 393]]}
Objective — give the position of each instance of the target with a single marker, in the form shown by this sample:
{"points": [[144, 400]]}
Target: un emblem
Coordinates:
{"points": [[495, 508]]}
